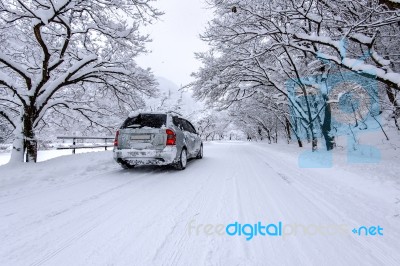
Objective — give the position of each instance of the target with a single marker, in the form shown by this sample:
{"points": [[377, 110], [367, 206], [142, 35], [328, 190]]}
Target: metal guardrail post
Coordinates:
{"points": [[73, 143], [76, 139]]}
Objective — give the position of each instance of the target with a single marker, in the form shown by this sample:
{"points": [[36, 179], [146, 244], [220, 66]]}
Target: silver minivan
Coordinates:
{"points": [[156, 139]]}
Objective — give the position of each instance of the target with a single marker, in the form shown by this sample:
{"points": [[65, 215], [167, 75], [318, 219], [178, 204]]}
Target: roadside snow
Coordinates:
{"points": [[44, 155]]}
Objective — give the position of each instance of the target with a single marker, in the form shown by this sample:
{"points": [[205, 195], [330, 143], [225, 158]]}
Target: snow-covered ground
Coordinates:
{"points": [[84, 210], [44, 155]]}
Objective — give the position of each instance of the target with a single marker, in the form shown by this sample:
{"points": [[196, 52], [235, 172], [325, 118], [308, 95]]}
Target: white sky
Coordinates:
{"points": [[175, 39]]}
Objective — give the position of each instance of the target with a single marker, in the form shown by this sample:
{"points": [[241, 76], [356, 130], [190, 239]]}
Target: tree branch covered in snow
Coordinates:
{"points": [[261, 47], [56, 52]]}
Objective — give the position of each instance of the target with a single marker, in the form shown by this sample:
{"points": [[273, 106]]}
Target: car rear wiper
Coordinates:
{"points": [[133, 126]]}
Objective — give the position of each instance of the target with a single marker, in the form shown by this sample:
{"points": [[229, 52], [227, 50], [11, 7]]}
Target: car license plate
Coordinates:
{"points": [[133, 153], [140, 137], [142, 153]]}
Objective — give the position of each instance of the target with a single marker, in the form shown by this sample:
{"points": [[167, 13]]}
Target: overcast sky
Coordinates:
{"points": [[175, 39]]}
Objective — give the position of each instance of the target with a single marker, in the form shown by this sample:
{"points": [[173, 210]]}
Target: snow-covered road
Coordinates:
{"points": [[85, 210]]}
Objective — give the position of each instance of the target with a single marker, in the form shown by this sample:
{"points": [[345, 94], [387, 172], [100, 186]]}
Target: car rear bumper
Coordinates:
{"points": [[146, 156]]}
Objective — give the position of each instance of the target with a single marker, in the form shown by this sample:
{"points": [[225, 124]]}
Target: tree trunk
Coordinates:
{"points": [[326, 128], [298, 139], [18, 149], [314, 143], [308, 135], [392, 98], [269, 136], [295, 128], [287, 129], [314, 140], [299, 142], [29, 134], [25, 140]]}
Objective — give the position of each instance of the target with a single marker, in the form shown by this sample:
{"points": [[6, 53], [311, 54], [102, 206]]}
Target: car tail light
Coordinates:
{"points": [[116, 138], [171, 137]]}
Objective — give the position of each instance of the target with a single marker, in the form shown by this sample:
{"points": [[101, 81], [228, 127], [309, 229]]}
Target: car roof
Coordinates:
{"points": [[172, 113], [133, 114]]}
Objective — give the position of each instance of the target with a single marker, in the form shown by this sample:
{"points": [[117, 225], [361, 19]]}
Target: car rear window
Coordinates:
{"points": [[146, 120]]}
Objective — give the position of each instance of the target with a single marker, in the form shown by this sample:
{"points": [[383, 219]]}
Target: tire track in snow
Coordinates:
{"points": [[267, 195], [54, 229], [320, 191], [56, 187], [145, 212], [180, 219], [47, 217]]}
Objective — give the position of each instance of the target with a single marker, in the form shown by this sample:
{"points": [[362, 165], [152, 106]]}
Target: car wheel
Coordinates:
{"points": [[181, 165], [200, 154], [126, 165]]}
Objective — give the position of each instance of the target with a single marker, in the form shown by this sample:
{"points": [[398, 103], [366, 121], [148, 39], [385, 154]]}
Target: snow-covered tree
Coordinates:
{"points": [[243, 70], [212, 124], [58, 56], [264, 118], [289, 49], [339, 31]]}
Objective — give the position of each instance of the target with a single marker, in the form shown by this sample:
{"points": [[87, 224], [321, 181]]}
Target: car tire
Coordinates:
{"points": [[126, 165], [181, 165], [200, 153]]}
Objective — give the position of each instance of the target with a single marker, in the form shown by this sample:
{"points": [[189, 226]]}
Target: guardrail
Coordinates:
{"points": [[74, 146]]}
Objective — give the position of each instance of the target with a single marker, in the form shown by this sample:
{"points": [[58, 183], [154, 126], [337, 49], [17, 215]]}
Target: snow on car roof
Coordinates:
{"points": [[136, 113]]}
